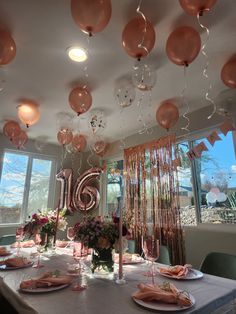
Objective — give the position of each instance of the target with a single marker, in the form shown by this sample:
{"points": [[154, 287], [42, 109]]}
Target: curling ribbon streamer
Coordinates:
{"points": [[145, 27], [205, 74], [186, 127]]}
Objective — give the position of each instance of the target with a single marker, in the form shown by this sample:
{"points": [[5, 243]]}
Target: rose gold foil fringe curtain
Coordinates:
{"points": [[152, 194]]}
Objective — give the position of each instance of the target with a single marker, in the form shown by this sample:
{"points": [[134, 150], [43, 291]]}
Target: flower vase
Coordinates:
{"points": [[47, 240], [102, 261]]}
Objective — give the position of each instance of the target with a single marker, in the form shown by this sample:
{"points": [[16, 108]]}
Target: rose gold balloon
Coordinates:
{"points": [[20, 140], [183, 45], [7, 48], [167, 115], [11, 129], [92, 16], [80, 100], [64, 137], [228, 72], [28, 112], [86, 197], [195, 7], [79, 142], [134, 35], [65, 177], [100, 148]]}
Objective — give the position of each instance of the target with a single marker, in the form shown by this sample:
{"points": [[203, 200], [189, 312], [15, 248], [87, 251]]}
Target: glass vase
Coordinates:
{"points": [[102, 262]]}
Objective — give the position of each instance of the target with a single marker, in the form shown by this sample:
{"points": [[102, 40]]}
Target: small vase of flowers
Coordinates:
{"points": [[45, 223], [100, 235]]}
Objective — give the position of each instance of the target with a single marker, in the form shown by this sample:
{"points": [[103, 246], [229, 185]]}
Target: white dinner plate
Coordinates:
{"points": [[192, 274], [5, 267], [43, 290], [152, 305]]}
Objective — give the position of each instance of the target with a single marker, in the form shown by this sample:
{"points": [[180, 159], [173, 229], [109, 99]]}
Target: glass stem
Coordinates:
{"points": [[153, 281]]}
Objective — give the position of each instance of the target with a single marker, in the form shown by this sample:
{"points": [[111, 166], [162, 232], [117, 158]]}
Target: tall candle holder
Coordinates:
{"points": [[120, 280]]}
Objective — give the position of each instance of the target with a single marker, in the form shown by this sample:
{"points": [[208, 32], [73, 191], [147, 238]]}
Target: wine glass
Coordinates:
{"points": [[70, 235], [151, 250], [19, 238], [40, 248]]}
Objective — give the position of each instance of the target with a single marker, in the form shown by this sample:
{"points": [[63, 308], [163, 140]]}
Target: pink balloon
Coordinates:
{"points": [[64, 137], [80, 100], [20, 140], [137, 40], [11, 129], [92, 16], [228, 72], [195, 7], [7, 48], [167, 115], [79, 142], [100, 148], [183, 45]]}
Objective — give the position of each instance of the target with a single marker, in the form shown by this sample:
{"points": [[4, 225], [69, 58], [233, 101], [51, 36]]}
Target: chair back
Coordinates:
{"points": [[8, 239], [219, 264], [164, 255]]}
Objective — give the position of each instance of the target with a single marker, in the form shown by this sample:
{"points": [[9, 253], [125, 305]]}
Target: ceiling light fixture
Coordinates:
{"points": [[77, 54]]}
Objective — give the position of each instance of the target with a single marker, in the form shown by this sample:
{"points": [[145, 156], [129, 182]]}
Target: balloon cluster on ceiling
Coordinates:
{"points": [[138, 39]]}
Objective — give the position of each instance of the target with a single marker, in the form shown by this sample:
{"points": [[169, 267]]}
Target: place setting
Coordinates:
{"points": [[163, 297], [179, 272], [14, 263], [47, 282]]}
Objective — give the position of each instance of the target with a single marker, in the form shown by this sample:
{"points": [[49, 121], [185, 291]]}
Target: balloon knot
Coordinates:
{"points": [[185, 63], [27, 125], [201, 12], [78, 114]]}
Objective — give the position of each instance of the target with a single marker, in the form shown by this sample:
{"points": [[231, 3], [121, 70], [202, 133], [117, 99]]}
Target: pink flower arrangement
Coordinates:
{"points": [[45, 222]]}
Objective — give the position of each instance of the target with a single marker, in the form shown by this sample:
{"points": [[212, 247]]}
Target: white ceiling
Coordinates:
{"points": [[41, 70]]}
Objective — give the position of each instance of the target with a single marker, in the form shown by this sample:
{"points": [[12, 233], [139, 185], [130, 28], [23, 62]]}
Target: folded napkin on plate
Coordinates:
{"points": [[166, 293], [62, 243], [24, 244], [177, 271], [46, 280], [15, 262], [4, 251]]}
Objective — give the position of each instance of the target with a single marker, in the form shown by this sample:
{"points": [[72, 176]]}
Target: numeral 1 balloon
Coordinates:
{"points": [[65, 177]]}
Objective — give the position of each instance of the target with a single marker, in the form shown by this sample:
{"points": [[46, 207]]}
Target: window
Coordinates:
{"points": [[186, 191], [114, 191], [216, 177], [27, 184], [212, 184]]}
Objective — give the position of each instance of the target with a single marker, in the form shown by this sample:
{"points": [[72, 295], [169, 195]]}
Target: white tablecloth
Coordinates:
{"points": [[104, 296]]}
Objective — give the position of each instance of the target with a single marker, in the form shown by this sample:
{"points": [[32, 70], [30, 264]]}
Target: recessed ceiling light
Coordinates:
{"points": [[77, 54]]}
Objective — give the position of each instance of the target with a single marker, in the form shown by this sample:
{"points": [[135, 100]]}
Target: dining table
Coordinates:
{"points": [[103, 295]]}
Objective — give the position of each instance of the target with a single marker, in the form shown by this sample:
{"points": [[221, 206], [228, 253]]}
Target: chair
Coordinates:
{"points": [[219, 264], [8, 239], [164, 255]]}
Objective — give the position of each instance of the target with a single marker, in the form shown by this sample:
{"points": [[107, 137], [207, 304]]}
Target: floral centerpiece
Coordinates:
{"points": [[46, 224], [101, 235]]}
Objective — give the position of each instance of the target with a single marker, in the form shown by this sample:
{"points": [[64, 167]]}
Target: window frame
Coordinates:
{"points": [[103, 185], [52, 181]]}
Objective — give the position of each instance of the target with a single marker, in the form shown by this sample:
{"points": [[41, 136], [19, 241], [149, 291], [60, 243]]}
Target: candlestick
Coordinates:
{"points": [[120, 280]]}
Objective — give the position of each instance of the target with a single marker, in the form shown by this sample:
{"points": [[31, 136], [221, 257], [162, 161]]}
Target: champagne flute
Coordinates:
{"points": [[19, 238], [39, 246], [70, 235], [151, 250]]}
